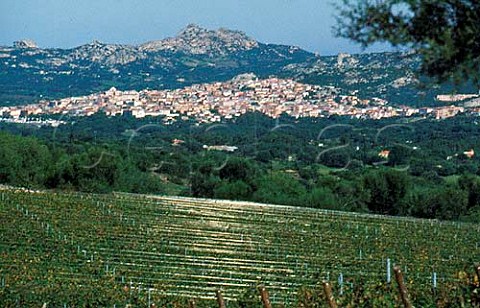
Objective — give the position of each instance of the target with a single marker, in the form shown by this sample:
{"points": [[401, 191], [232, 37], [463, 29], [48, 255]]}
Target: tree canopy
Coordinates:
{"points": [[446, 33]]}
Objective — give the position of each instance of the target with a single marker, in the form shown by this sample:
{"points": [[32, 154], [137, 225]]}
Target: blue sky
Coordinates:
{"points": [[69, 23]]}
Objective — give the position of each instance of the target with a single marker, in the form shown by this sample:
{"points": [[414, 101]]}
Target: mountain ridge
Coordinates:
{"points": [[191, 39], [198, 55], [194, 55], [197, 40]]}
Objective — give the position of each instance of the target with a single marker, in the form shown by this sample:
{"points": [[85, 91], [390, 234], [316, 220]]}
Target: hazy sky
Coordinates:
{"points": [[69, 23]]}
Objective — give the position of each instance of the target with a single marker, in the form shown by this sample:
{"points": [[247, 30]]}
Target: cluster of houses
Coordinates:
{"points": [[213, 102], [385, 153]]}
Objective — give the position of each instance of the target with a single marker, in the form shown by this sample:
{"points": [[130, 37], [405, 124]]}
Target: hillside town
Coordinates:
{"points": [[214, 102]]}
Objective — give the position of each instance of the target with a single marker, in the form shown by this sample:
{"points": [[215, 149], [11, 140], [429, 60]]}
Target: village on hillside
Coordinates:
{"points": [[212, 102]]}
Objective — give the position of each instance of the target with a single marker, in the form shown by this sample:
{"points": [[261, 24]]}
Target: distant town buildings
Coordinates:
{"points": [[214, 102], [384, 154], [447, 112], [224, 148], [455, 97], [470, 153]]}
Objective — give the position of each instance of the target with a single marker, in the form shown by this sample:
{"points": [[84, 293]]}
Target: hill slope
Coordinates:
{"points": [[195, 55], [111, 249], [198, 55]]}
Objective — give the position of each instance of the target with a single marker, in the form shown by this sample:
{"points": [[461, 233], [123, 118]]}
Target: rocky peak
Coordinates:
{"points": [[345, 59], [25, 44], [109, 54], [191, 31], [96, 44], [197, 40]]}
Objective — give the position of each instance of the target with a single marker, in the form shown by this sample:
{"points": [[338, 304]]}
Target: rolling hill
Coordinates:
{"points": [[104, 250]]}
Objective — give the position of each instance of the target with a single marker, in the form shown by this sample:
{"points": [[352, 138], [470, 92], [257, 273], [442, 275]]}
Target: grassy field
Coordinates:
{"points": [[105, 250]]}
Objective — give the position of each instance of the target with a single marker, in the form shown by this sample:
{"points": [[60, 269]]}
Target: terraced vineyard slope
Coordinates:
{"points": [[104, 250]]}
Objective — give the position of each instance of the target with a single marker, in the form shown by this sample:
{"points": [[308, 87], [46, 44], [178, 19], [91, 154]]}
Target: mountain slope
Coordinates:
{"points": [[389, 75], [198, 55], [195, 55]]}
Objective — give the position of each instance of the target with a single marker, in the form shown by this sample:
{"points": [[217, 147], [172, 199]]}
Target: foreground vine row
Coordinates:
{"points": [[69, 249]]}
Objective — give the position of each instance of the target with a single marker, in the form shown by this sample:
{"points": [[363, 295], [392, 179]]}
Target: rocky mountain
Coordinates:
{"points": [[198, 55], [25, 44], [388, 75], [195, 55], [199, 41], [392, 76], [106, 54]]}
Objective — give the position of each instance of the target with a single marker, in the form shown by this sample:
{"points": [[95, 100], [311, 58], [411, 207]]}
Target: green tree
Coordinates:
{"points": [[24, 161], [321, 198], [446, 33], [279, 188], [451, 203], [447, 202], [399, 155], [471, 184], [236, 190], [9, 162], [134, 181], [96, 170], [387, 188], [237, 169], [204, 185], [337, 158], [351, 195]]}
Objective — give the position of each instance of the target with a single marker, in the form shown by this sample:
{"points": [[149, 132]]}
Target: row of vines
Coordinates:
{"points": [[69, 249]]}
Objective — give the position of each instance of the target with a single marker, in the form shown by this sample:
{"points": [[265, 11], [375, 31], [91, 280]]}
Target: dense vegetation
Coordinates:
{"points": [[87, 250], [444, 32], [321, 163]]}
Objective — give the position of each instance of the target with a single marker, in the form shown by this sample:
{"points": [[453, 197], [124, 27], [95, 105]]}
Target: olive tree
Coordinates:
{"points": [[445, 33]]}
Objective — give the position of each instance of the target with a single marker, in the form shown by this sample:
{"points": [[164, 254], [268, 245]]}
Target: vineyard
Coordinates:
{"points": [[68, 249]]}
